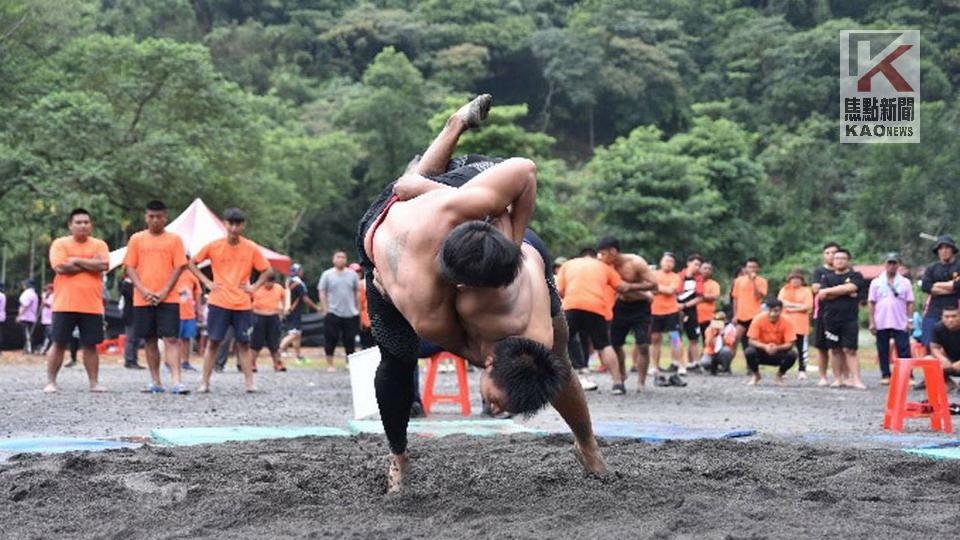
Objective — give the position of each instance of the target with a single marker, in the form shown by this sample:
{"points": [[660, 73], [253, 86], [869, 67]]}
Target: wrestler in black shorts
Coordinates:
{"points": [[627, 317]]}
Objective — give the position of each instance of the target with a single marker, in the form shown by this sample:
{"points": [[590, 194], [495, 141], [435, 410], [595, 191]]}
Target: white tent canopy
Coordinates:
{"points": [[198, 226]]}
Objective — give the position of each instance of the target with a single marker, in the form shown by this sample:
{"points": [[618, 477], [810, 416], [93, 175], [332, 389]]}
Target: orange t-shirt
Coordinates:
{"points": [[155, 258], [364, 316], [188, 291], [666, 304], [705, 310], [232, 266], [268, 301], [797, 295], [765, 331], [728, 335], [81, 292], [585, 284], [746, 304]]}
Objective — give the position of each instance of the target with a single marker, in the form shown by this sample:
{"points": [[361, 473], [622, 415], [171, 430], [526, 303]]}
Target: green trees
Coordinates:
{"points": [[677, 124]]}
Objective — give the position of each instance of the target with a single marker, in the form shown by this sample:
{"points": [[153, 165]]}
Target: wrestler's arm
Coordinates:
{"points": [[413, 185], [490, 193]]}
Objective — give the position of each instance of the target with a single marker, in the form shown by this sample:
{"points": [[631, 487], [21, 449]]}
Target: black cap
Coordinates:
{"points": [[945, 240], [234, 215]]}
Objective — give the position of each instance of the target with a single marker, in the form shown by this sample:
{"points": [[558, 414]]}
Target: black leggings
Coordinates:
{"points": [[399, 348]]}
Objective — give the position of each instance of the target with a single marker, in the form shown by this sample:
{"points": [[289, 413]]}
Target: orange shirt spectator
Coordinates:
{"points": [[745, 299], [268, 299], [762, 329], [155, 257], [802, 296], [188, 291], [728, 336], [232, 266], [585, 283], [81, 292], [666, 304], [707, 308]]}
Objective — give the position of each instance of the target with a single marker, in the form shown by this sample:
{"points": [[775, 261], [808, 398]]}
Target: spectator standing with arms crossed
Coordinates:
{"points": [[79, 261]]}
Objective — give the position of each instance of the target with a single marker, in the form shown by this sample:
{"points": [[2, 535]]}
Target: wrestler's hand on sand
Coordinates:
{"points": [[589, 456], [399, 467]]}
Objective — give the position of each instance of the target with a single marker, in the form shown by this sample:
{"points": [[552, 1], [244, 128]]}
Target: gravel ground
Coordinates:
{"points": [[819, 466]]}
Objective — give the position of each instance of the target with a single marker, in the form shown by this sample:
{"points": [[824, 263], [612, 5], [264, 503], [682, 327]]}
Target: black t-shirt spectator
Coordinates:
{"points": [[842, 307], [949, 340], [296, 293], [815, 277], [936, 273]]}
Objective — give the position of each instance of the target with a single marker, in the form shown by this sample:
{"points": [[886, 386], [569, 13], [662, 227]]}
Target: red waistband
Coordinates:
{"points": [[378, 221]]}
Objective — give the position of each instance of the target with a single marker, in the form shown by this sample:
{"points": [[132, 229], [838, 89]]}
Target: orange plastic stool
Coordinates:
{"points": [[462, 396], [118, 343], [937, 407]]}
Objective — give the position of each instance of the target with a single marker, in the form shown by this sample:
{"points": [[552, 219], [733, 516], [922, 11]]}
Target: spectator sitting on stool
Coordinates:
{"points": [[770, 342], [945, 343]]}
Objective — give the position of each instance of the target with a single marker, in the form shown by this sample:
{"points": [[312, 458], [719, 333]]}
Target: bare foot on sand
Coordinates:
{"points": [[754, 379], [590, 458], [399, 467], [857, 384], [802, 376], [203, 389], [97, 389], [50, 388], [474, 113], [251, 389], [823, 382], [837, 384], [778, 380]]}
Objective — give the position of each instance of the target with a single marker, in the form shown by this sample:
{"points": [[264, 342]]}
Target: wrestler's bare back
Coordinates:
{"points": [[405, 248]]}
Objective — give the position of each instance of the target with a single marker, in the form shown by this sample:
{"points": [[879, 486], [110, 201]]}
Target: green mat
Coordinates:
{"points": [[441, 428], [214, 435], [946, 451]]}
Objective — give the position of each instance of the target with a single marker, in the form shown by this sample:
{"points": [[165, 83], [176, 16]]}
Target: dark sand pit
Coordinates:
{"points": [[521, 486]]}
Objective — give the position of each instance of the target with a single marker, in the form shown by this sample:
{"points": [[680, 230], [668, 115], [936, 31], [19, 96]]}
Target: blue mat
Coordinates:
{"points": [[215, 435], [652, 432], [53, 445], [944, 450], [441, 428]]}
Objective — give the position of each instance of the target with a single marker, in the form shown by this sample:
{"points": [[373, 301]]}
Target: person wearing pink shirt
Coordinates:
{"points": [[46, 316], [27, 314]]}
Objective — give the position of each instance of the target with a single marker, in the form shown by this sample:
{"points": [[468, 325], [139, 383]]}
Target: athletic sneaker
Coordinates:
{"points": [[660, 380], [676, 380], [586, 383], [186, 366], [180, 389], [618, 390]]}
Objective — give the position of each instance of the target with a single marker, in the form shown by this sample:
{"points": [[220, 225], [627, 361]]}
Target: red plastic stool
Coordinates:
{"points": [[937, 407], [105, 345], [462, 397]]}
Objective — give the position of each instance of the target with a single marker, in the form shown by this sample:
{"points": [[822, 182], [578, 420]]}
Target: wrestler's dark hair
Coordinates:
{"points": [[476, 254], [528, 373], [588, 252], [774, 303], [609, 242]]}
